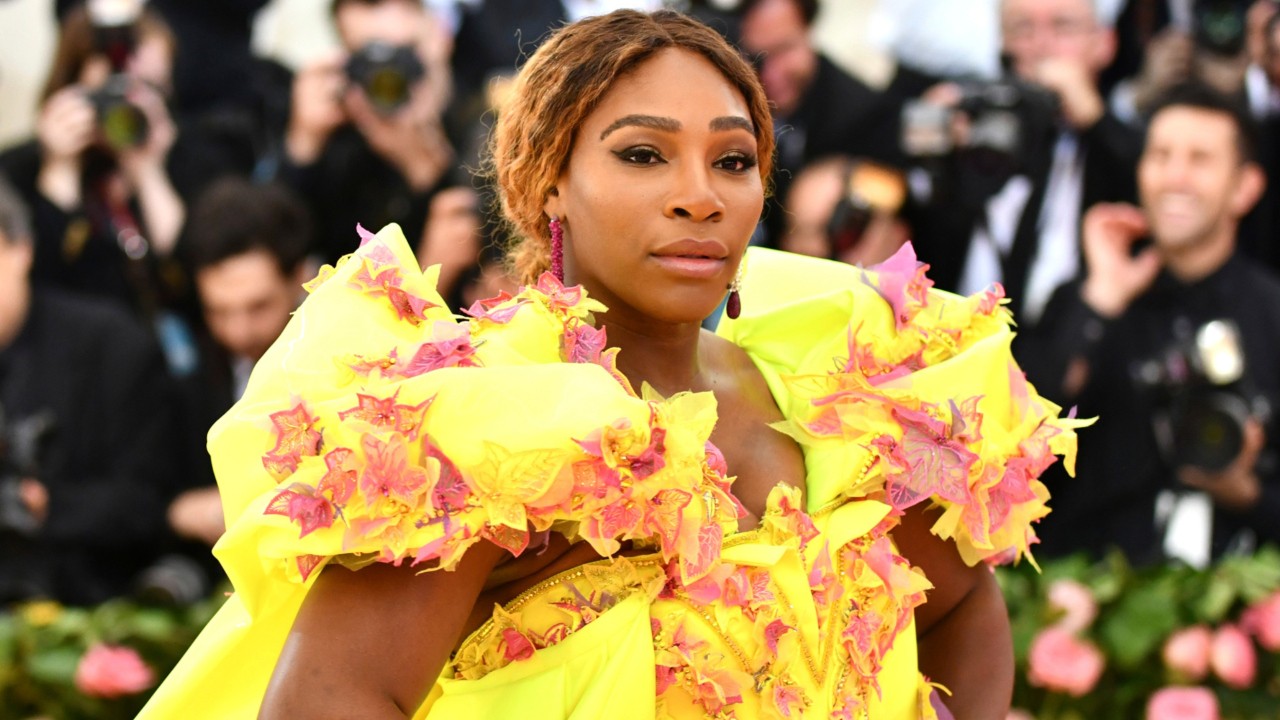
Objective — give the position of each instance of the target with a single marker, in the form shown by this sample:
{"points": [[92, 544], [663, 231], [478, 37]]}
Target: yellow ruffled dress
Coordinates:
{"points": [[378, 428]]}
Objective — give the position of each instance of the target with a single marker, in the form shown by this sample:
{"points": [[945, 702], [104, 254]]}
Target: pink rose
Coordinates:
{"points": [[1232, 657], [1076, 602], [1263, 621], [1062, 663], [1186, 652], [111, 671], [1183, 703]]}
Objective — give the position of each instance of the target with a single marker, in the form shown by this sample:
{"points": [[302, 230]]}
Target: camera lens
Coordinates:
{"points": [[387, 87], [123, 126], [1211, 432]]}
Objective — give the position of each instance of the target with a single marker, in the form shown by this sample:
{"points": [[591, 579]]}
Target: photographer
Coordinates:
{"points": [[845, 209], [1034, 149], [365, 141], [1143, 342], [96, 176], [818, 108], [83, 439]]}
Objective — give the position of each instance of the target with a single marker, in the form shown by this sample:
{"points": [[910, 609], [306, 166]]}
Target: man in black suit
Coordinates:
{"points": [[1021, 228], [80, 500], [247, 246], [1141, 341], [819, 110]]}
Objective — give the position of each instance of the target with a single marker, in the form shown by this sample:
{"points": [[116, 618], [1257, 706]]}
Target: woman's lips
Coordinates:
{"points": [[692, 266], [692, 258]]}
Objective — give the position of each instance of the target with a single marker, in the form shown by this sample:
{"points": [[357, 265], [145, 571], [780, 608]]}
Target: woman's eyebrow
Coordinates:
{"points": [[732, 122], [666, 124], [654, 122]]}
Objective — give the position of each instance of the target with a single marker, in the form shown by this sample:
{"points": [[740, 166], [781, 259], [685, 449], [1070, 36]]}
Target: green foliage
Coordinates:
{"points": [[1137, 610], [42, 643]]}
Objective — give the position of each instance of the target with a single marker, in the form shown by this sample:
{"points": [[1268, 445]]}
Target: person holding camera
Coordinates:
{"points": [[84, 445], [96, 175], [818, 108], [1172, 344], [365, 141], [1024, 156]]}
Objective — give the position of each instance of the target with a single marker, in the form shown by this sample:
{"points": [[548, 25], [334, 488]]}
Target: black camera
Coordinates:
{"points": [[1005, 119], [21, 445], [386, 73], [1200, 396], [867, 189], [1220, 26], [121, 124]]}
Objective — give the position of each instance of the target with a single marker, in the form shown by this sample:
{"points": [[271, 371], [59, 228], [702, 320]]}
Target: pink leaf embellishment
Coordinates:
{"points": [[772, 632], [387, 414], [409, 308], [451, 347], [388, 474], [311, 512], [695, 565], [307, 564], [929, 462], [509, 539], [902, 283], [338, 482], [517, 645], [582, 343], [559, 297], [495, 309], [450, 492], [666, 514], [296, 437]]}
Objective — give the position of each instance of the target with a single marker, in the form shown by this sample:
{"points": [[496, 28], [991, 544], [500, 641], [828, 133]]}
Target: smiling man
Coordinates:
{"points": [[1182, 463]]}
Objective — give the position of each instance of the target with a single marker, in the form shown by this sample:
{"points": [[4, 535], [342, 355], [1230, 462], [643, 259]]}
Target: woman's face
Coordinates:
{"points": [[151, 62], [661, 192]]}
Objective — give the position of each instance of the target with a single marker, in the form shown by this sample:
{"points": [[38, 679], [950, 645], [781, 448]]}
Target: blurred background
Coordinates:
{"points": [[1107, 171]]}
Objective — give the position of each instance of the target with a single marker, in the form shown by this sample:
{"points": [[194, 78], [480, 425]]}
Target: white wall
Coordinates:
{"points": [[841, 31], [27, 37]]}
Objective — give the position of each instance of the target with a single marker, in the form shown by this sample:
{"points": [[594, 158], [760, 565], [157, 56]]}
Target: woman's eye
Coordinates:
{"points": [[737, 162], [640, 156]]}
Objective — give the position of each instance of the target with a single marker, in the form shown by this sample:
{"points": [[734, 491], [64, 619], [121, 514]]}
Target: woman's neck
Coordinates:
{"points": [[666, 357]]}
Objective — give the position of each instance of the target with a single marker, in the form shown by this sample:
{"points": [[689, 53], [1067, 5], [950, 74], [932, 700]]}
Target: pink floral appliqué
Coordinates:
{"points": [[296, 437]]}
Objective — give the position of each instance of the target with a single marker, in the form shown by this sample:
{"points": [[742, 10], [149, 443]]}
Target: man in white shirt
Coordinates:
{"points": [[1025, 234]]}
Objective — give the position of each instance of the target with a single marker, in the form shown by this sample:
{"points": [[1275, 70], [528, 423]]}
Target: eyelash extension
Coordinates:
{"points": [[748, 160], [627, 155]]}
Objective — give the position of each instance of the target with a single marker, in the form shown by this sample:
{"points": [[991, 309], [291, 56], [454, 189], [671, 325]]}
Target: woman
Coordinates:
{"points": [[513, 452], [96, 176]]}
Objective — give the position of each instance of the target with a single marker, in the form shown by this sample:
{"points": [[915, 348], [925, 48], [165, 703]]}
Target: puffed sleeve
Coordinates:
{"points": [[380, 428], [904, 394]]}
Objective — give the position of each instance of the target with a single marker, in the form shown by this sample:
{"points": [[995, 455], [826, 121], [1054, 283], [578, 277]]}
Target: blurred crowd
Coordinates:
{"points": [[1112, 166]]}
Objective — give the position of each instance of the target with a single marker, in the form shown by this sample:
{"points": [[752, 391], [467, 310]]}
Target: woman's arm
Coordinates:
{"points": [[163, 212], [963, 630], [371, 643]]}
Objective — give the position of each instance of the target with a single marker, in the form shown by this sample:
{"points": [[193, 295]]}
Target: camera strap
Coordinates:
{"points": [[121, 223]]}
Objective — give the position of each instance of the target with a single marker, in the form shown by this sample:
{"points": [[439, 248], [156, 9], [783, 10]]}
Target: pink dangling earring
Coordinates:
{"points": [[557, 248], [733, 307]]}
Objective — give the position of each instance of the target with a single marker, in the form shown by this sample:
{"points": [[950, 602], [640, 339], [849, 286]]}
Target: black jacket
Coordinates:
{"points": [[1122, 468], [942, 233], [106, 466]]}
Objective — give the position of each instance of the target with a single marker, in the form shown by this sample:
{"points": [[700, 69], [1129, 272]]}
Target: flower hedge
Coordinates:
{"points": [[1099, 640], [1093, 641], [100, 663]]}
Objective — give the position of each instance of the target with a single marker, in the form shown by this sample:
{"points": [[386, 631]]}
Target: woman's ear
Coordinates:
{"points": [[553, 206]]}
